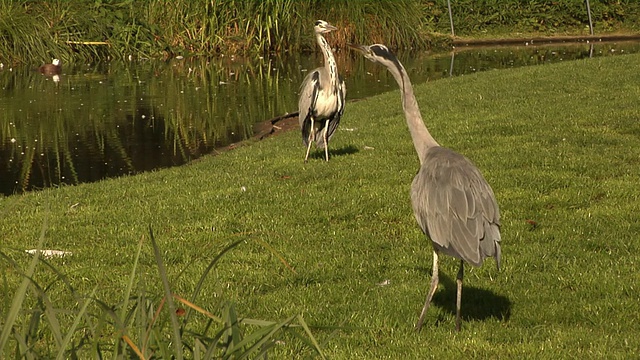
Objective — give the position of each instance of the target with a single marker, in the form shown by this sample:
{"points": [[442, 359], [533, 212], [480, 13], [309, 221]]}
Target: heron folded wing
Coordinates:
{"points": [[309, 91], [335, 120], [454, 206], [342, 93]]}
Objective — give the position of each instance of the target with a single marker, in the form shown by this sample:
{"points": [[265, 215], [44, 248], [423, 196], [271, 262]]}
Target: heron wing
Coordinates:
{"points": [[309, 91], [333, 123], [338, 94], [455, 206], [335, 120]]}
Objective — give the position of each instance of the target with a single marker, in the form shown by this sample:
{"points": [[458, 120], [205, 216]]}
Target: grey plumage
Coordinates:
{"points": [[322, 94], [452, 202]]}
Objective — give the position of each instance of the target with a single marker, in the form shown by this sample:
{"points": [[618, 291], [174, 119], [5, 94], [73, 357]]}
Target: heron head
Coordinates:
{"points": [[56, 62], [322, 27], [375, 52], [380, 54]]}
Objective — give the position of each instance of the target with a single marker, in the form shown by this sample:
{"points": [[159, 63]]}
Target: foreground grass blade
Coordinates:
{"points": [[198, 309], [260, 337], [18, 298], [274, 252], [177, 341], [50, 313], [133, 346], [310, 335], [213, 262], [233, 331], [76, 322], [125, 301]]}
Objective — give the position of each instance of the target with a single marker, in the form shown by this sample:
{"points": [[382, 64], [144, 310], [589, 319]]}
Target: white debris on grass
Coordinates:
{"points": [[49, 253]]}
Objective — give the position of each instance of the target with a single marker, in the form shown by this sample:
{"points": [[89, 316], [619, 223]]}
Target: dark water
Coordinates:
{"points": [[109, 119]]}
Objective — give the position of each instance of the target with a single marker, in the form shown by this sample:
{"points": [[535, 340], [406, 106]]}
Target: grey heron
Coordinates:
{"points": [[322, 94], [452, 202]]}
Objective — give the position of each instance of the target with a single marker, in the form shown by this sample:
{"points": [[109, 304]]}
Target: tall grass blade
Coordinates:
{"points": [[232, 333], [44, 301], [133, 346], [273, 251], [76, 322], [22, 348], [260, 337], [5, 291], [50, 314], [200, 283], [20, 295], [127, 295], [198, 309], [315, 343], [177, 341]]}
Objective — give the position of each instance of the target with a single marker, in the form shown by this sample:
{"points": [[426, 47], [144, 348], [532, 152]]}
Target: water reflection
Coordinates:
{"points": [[109, 119]]}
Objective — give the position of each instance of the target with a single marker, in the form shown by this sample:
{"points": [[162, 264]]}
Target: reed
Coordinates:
{"points": [[75, 29], [50, 122]]}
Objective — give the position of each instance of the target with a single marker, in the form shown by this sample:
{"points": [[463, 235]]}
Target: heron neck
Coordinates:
{"points": [[422, 139], [329, 60]]}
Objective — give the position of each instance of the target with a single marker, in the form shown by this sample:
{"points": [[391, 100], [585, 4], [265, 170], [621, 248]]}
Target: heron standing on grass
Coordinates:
{"points": [[453, 204], [322, 94]]}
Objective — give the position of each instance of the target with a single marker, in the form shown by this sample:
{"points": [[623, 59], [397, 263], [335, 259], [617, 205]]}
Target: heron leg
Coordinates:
{"points": [[432, 290], [459, 294], [326, 144], [311, 136]]}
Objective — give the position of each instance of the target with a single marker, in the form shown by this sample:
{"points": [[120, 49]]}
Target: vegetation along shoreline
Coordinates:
{"points": [[105, 30]]}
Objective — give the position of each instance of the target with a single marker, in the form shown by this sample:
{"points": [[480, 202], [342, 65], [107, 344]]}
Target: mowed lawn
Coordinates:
{"points": [[337, 242]]}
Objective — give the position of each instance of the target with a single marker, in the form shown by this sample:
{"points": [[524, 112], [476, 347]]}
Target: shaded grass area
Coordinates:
{"points": [[337, 243]]}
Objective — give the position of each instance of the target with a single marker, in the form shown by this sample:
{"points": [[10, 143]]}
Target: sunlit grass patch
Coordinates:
{"points": [[336, 243]]}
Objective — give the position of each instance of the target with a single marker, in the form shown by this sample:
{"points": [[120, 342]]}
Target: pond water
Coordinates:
{"points": [[109, 119]]}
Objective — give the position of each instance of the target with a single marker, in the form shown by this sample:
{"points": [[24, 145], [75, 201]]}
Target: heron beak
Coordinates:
{"points": [[329, 28], [360, 48]]}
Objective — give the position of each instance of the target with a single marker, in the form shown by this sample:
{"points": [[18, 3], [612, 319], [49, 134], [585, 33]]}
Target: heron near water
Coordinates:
{"points": [[322, 95], [452, 202]]}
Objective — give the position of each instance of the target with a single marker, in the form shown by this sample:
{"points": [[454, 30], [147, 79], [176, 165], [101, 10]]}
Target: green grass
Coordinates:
{"points": [[560, 145]]}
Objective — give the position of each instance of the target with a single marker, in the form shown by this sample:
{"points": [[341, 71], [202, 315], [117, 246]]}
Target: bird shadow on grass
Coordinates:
{"points": [[345, 150], [477, 304]]}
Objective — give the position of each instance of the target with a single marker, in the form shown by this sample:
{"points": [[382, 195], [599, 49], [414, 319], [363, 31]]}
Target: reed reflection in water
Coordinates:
{"points": [[106, 120], [111, 119]]}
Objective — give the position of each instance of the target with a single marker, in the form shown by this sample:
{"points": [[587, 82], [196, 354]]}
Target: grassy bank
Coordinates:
{"points": [[496, 18], [337, 243], [160, 28], [80, 30]]}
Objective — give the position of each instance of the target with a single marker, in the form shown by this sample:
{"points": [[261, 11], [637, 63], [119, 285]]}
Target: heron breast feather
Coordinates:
{"points": [[326, 103]]}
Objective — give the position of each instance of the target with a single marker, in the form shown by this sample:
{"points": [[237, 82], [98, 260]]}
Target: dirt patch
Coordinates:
{"points": [[275, 126]]}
